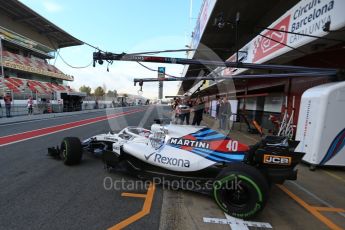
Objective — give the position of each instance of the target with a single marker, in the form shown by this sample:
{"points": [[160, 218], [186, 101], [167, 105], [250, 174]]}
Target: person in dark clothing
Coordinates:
{"points": [[225, 113], [218, 111], [8, 102], [198, 111], [0, 109], [185, 111], [219, 100], [190, 105], [30, 105], [175, 110]]}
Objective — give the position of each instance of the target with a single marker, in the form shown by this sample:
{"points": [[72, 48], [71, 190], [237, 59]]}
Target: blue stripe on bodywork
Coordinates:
{"points": [[203, 133], [203, 154], [341, 145], [212, 137], [209, 157], [174, 145], [230, 156], [216, 152], [332, 151]]}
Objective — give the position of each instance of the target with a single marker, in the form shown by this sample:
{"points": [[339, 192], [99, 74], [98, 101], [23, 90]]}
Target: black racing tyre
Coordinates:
{"points": [[240, 190], [71, 151]]}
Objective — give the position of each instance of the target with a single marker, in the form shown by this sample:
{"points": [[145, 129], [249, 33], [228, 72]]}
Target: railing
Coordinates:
{"points": [[47, 104], [38, 108]]}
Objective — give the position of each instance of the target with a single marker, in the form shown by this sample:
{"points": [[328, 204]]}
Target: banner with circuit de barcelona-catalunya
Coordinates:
{"points": [[306, 17]]}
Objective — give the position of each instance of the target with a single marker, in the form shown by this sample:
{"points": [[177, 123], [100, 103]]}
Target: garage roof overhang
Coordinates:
{"points": [[21, 13], [221, 42]]}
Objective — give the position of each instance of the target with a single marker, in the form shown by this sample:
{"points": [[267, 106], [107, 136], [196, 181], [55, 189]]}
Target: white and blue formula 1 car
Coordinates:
{"points": [[215, 162]]}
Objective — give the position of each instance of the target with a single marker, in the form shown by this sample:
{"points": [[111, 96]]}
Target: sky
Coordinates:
{"points": [[121, 26]]}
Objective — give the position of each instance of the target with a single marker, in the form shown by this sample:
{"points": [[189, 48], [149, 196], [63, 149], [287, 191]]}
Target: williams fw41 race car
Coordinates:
{"points": [[213, 161]]}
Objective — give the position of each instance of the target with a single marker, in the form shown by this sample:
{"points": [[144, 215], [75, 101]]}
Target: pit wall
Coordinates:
{"points": [[19, 107]]}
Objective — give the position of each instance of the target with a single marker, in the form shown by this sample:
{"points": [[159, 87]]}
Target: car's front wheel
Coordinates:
{"points": [[240, 190], [71, 150]]}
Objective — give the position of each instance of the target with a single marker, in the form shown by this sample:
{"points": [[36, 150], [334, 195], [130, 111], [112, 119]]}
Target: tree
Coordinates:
{"points": [[99, 92], [85, 89], [112, 93], [104, 87]]}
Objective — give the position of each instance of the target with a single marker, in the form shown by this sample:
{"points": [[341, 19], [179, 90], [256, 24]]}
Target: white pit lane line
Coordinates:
{"points": [[235, 223]]}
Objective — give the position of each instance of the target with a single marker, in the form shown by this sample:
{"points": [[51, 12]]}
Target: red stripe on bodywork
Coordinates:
{"points": [[189, 137], [187, 148], [221, 145]]}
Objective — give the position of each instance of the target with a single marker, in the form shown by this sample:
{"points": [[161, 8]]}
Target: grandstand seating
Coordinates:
{"points": [[17, 85], [32, 62]]}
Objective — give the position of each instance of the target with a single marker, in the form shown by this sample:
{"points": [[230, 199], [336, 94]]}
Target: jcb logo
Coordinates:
{"points": [[279, 160]]}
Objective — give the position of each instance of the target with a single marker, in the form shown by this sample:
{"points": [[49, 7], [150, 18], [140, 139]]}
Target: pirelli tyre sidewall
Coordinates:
{"points": [[240, 190], [71, 150]]}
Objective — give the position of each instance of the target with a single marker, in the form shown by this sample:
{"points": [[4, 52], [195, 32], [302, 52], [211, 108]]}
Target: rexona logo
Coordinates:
{"points": [[168, 160], [110, 138], [190, 143], [279, 160], [172, 161]]}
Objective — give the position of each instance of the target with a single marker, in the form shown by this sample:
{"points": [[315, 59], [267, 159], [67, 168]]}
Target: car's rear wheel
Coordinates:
{"points": [[240, 190], [71, 150]]}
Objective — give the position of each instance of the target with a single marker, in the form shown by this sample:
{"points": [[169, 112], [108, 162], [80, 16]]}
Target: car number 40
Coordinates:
{"points": [[232, 146]]}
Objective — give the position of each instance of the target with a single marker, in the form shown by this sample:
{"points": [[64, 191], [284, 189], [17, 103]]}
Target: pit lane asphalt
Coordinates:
{"points": [[22, 126], [37, 192]]}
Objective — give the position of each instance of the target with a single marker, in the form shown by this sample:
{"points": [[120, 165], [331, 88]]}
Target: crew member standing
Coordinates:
{"points": [[219, 111], [175, 115], [8, 102], [198, 111], [225, 113], [1, 110], [30, 105], [185, 108], [219, 100], [189, 105]]}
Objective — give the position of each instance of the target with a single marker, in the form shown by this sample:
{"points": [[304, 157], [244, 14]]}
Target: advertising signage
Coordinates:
{"points": [[200, 26], [30, 69], [307, 17], [23, 41]]}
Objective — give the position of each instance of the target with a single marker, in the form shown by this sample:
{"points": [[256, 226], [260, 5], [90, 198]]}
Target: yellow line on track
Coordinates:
{"points": [[137, 195], [313, 210], [144, 211], [328, 209], [334, 176]]}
